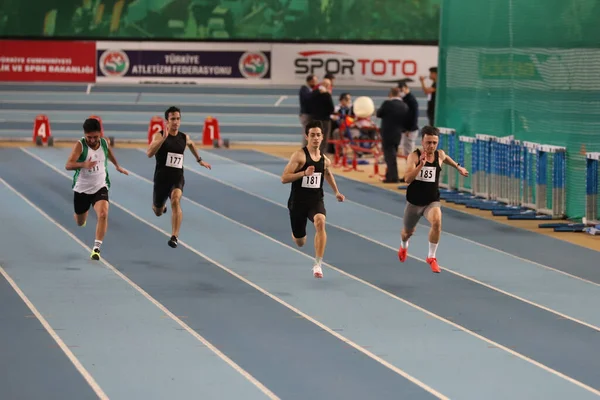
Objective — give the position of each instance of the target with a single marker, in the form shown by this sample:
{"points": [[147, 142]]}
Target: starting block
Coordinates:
{"points": [[111, 139], [157, 124], [218, 143], [42, 134]]}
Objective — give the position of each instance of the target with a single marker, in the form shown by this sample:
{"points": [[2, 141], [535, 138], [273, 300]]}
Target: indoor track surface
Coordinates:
{"points": [[235, 313]]}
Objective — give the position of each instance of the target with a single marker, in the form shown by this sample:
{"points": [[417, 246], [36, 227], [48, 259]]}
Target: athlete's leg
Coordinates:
{"points": [[81, 205], [100, 204], [412, 215], [320, 237], [433, 213], [298, 219], [160, 194], [320, 243], [176, 216]]}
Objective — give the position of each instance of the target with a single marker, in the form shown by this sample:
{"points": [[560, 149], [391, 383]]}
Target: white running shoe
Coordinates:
{"points": [[317, 271]]}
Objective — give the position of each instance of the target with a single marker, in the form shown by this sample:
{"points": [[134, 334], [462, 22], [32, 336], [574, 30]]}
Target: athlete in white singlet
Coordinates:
{"points": [[89, 159]]}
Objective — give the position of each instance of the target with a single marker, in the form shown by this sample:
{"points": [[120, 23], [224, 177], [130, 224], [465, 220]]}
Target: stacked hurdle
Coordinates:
{"points": [[519, 180], [592, 186]]}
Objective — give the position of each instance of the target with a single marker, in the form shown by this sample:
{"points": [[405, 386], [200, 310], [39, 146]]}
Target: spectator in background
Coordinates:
{"points": [[430, 92], [331, 77], [321, 108], [395, 117], [409, 137], [305, 97]]}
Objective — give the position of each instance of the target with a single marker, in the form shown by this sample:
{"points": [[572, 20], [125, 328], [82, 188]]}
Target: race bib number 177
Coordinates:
{"points": [[174, 160]]}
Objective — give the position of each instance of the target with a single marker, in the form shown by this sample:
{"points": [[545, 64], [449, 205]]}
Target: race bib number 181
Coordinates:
{"points": [[427, 174], [174, 160], [312, 182]]}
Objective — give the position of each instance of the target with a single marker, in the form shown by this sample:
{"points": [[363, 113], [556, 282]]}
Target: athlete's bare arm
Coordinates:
{"points": [[192, 147], [72, 163], [446, 159], [331, 180], [113, 159], [413, 166], [157, 140], [296, 162]]}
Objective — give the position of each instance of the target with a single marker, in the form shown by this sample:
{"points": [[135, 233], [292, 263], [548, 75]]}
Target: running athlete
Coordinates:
{"points": [[305, 170], [168, 147], [422, 194], [89, 159]]}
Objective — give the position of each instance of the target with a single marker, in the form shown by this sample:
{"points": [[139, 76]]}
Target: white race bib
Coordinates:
{"points": [[427, 174], [174, 160], [312, 182]]}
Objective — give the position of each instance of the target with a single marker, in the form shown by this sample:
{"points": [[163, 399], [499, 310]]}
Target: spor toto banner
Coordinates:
{"points": [[185, 63], [352, 65], [47, 61]]}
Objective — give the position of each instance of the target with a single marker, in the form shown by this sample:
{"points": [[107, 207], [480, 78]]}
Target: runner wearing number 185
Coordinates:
{"points": [[305, 171], [168, 148], [423, 195]]}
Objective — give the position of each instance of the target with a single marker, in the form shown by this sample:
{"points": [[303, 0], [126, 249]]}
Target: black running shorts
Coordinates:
{"points": [[300, 213], [163, 189], [83, 201]]}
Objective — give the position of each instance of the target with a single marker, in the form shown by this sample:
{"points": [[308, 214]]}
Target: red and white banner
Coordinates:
{"points": [[352, 65], [47, 61]]}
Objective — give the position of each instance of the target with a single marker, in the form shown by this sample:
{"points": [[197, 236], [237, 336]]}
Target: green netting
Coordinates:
{"points": [[527, 68], [381, 20]]}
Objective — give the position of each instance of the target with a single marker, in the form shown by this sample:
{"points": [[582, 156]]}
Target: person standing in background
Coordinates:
{"points": [[409, 137], [321, 108], [394, 115], [305, 98], [430, 92]]}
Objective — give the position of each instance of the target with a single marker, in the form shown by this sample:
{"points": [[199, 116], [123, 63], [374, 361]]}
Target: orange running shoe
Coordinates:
{"points": [[433, 264], [402, 254]]}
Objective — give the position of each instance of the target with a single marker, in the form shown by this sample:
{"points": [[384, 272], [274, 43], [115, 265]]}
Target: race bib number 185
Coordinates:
{"points": [[312, 182], [427, 174], [174, 160]]}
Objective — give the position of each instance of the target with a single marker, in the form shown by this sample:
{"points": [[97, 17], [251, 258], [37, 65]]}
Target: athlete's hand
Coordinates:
{"points": [[122, 170], [205, 164], [423, 159], [89, 164], [309, 171], [463, 171], [340, 197]]}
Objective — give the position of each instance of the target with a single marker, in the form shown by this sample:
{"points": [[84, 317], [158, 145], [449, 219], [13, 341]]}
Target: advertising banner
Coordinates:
{"points": [[352, 65], [47, 61], [121, 62]]}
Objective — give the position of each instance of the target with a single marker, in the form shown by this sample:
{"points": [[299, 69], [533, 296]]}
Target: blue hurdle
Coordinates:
{"points": [[592, 208]]}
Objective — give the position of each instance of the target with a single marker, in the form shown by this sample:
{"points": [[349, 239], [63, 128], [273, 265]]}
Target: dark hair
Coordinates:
{"points": [[430, 130], [313, 124], [329, 75], [310, 78], [91, 125], [170, 110], [344, 95], [433, 69]]}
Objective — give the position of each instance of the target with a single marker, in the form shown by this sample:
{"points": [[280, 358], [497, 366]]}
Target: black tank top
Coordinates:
{"points": [[309, 188], [169, 157], [424, 190]]}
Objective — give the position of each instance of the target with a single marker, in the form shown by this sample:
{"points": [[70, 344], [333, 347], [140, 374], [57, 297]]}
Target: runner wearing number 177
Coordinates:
{"points": [[423, 195], [168, 147], [306, 170]]}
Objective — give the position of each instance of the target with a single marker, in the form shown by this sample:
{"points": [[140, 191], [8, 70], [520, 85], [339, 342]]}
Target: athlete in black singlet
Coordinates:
{"points": [[423, 195], [306, 170], [168, 148]]}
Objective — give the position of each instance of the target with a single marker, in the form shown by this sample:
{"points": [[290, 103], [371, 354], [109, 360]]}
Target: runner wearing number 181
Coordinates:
{"points": [[306, 170], [168, 148], [423, 195]]}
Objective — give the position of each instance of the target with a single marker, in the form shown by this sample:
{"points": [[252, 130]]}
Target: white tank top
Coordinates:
{"points": [[89, 181]]}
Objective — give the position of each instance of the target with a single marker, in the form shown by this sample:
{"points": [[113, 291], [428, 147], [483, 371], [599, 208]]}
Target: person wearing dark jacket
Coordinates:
{"points": [[409, 137], [395, 117], [321, 108]]}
